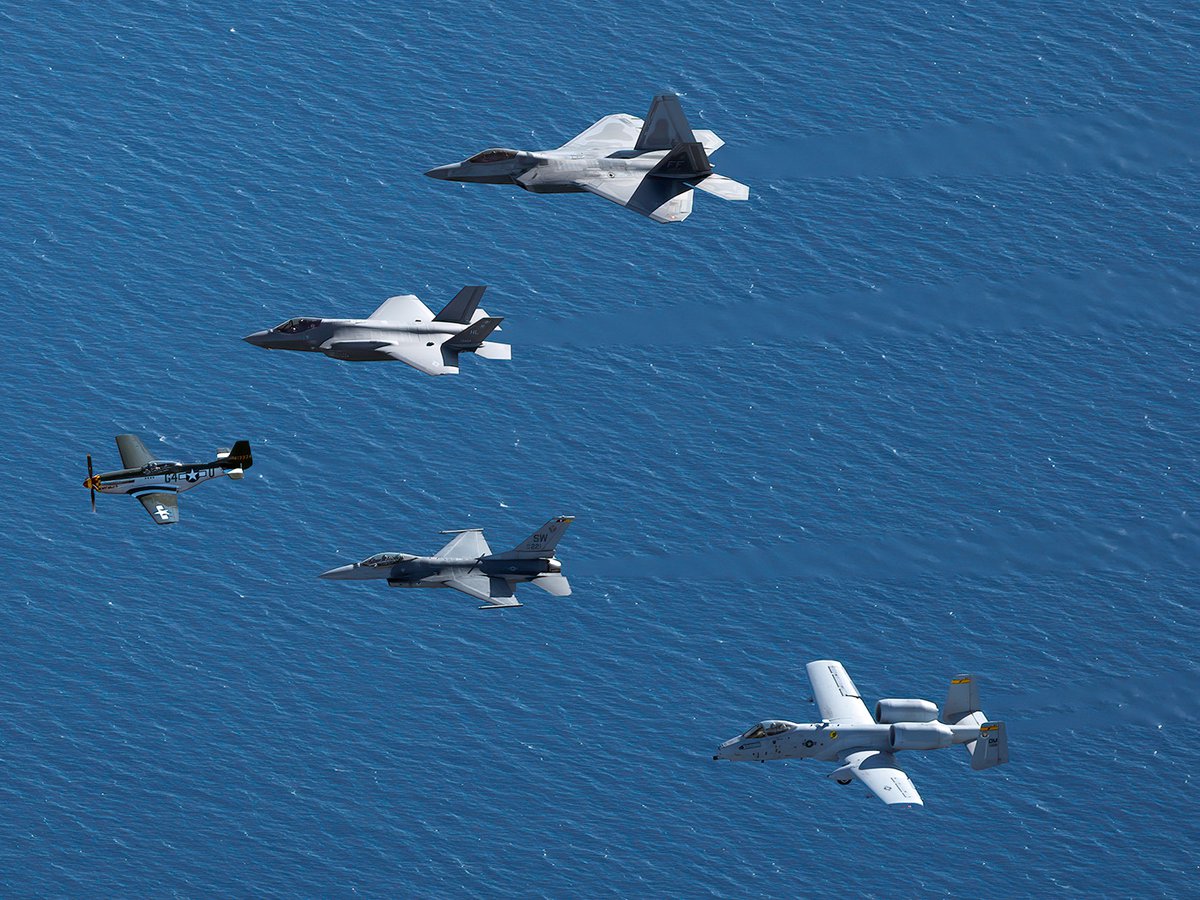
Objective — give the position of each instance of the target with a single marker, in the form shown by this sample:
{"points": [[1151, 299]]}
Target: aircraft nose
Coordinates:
{"points": [[338, 574], [441, 173], [258, 339]]}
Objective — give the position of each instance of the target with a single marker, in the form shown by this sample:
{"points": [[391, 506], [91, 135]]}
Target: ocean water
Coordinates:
{"points": [[926, 404]]}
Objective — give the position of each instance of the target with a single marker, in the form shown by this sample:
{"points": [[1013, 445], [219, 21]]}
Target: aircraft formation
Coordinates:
{"points": [[652, 167]]}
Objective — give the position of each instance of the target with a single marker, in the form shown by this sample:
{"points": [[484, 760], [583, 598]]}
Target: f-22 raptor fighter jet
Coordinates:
{"points": [[866, 746], [649, 167], [403, 329], [467, 564], [156, 482]]}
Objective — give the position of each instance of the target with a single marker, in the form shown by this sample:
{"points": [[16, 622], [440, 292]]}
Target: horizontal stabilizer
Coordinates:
{"points": [[725, 188], [492, 350], [473, 335], [553, 584], [992, 747], [463, 306], [711, 142]]}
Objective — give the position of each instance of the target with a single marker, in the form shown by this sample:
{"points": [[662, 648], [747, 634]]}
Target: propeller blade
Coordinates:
{"points": [[91, 482]]}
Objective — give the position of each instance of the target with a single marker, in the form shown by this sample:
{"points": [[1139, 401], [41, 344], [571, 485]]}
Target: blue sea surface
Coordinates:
{"points": [[926, 404]]}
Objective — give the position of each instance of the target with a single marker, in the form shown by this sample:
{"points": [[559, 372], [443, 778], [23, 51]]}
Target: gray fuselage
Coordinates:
{"points": [[426, 571], [354, 339], [827, 741], [551, 171]]}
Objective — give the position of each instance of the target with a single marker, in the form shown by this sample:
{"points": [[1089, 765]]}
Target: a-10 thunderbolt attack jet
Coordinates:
{"points": [[156, 482], [403, 329], [649, 167], [467, 564], [866, 745]]}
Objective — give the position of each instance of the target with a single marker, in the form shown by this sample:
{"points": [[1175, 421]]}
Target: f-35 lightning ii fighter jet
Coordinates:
{"points": [[467, 564], [156, 482], [403, 328], [866, 746], [649, 167]]}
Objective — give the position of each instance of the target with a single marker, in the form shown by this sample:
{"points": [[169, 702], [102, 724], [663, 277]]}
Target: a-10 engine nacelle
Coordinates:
{"points": [[920, 736], [889, 712]]}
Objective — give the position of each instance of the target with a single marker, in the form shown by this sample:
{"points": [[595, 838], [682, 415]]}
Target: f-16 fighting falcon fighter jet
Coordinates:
{"points": [[155, 482], [649, 167], [866, 746], [467, 564], [403, 328]]}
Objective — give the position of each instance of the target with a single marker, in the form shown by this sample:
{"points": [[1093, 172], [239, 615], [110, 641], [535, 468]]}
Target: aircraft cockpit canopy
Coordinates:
{"points": [[159, 465], [766, 729], [496, 154], [383, 560], [295, 326]]}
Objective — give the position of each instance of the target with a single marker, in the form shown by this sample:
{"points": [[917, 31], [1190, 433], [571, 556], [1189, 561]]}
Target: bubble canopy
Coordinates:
{"points": [[496, 154], [767, 729]]}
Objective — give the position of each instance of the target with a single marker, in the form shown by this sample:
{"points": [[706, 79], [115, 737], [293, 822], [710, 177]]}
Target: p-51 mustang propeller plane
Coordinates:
{"points": [[866, 745], [156, 482]]}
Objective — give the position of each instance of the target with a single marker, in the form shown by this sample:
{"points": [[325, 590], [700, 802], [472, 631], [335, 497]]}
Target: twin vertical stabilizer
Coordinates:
{"points": [[962, 708]]}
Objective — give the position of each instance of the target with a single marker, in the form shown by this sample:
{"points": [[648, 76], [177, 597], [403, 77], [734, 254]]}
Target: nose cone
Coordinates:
{"points": [[341, 573], [442, 173], [258, 339], [724, 751]]}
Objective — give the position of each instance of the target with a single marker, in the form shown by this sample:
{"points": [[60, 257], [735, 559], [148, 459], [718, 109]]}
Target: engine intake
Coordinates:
{"points": [[889, 712], [920, 736]]}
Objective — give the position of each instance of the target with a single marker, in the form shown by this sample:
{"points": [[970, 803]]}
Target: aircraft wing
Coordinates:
{"points": [[496, 592], [163, 506], [133, 452], [612, 133], [887, 781], [420, 356], [836, 695], [661, 199], [466, 544], [405, 308]]}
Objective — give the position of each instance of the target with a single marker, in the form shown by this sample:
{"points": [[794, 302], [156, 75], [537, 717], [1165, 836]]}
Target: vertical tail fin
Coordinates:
{"points": [[992, 747], [540, 544], [961, 700], [236, 460], [462, 307], [237, 457], [666, 126], [687, 160], [473, 335]]}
